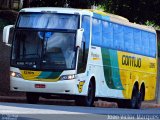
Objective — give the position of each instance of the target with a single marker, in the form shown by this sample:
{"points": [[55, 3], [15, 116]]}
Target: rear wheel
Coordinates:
{"points": [[32, 98], [89, 99], [134, 103], [140, 98]]}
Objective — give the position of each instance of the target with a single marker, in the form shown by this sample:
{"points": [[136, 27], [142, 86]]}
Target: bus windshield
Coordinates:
{"points": [[48, 20], [44, 49]]}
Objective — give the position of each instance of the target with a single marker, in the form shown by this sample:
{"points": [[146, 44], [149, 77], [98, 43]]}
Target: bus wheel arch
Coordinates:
{"points": [[93, 80], [135, 87], [91, 91], [136, 84], [87, 100]]}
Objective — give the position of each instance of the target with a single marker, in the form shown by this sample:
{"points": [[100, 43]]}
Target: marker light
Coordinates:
{"points": [[15, 74]]}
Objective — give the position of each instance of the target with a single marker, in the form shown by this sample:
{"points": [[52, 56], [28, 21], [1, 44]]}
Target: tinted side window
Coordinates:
{"points": [[152, 44], [137, 41], [145, 43], [96, 32], [107, 34], [83, 53], [128, 39], [118, 37]]}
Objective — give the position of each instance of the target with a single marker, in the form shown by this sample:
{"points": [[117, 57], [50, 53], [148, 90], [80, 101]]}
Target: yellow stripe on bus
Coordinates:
{"points": [[138, 68]]}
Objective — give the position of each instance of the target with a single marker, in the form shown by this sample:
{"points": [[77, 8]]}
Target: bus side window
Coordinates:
{"points": [[145, 41], [83, 53], [128, 39], [96, 32], [107, 34], [81, 59], [137, 41], [118, 37], [152, 45]]}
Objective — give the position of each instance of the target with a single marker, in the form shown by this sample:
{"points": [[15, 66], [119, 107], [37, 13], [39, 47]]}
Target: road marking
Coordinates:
{"points": [[22, 110]]}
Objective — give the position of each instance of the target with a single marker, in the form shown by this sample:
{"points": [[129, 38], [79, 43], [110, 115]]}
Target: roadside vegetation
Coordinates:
{"points": [[3, 23], [7, 17], [141, 12]]}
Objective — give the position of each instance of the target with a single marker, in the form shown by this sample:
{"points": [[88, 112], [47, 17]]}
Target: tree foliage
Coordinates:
{"points": [[139, 11], [68, 3]]}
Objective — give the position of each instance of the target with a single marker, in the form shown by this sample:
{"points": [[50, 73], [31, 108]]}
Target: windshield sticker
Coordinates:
{"points": [[47, 35]]}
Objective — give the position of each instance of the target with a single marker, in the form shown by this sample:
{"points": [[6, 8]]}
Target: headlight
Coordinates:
{"points": [[67, 77], [15, 74]]}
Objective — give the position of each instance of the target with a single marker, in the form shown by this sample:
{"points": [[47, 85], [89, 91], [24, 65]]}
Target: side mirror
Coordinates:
{"points": [[79, 37], [6, 34]]}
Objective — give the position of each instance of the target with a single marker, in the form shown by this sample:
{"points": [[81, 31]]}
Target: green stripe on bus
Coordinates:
{"points": [[111, 69], [49, 75]]}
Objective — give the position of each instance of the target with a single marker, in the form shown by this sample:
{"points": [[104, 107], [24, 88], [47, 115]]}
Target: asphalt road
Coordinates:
{"points": [[16, 111]]}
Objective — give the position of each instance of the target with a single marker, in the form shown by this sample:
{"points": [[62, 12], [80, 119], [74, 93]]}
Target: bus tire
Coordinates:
{"points": [[32, 98], [140, 98], [134, 99], [89, 99]]}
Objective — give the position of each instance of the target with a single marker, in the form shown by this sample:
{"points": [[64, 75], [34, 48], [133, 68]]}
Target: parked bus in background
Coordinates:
{"points": [[83, 55]]}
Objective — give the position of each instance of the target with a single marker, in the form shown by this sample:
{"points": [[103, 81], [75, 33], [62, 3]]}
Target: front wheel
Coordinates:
{"points": [[32, 98], [89, 99]]}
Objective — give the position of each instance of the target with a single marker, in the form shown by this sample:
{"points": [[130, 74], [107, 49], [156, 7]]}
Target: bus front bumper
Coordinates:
{"points": [[59, 87]]}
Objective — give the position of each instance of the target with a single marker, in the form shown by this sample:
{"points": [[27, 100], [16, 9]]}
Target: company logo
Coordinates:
{"points": [[80, 86], [131, 61], [95, 56]]}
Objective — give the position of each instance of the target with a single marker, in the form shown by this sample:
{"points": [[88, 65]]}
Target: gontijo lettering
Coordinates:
{"points": [[131, 61]]}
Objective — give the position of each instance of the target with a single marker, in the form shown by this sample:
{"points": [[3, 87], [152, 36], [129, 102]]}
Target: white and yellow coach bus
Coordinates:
{"points": [[83, 55]]}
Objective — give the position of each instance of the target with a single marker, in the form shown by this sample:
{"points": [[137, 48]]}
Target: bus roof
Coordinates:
{"points": [[90, 12], [57, 10]]}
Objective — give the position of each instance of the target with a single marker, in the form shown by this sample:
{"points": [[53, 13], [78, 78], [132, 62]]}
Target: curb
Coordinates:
{"points": [[114, 105], [12, 99], [105, 104], [150, 105]]}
